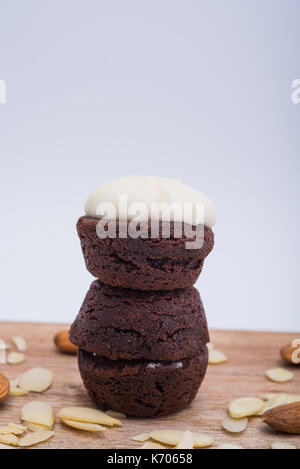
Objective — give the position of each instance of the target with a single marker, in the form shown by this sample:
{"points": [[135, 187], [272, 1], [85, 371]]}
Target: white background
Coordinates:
{"points": [[196, 90]]}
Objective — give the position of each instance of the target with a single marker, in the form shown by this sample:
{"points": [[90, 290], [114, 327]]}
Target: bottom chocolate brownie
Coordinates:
{"points": [[142, 388]]}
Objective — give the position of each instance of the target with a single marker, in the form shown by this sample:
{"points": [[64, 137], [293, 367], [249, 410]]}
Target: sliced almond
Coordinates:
{"points": [[152, 445], [36, 380], [14, 358], [116, 415], [215, 357], [88, 427], [17, 392], [20, 343], [14, 382], [35, 427], [141, 437], [186, 441], [172, 438], [234, 425], [14, 429], [274, 402], [17, 429], [290, 398], [245, 407], [282, 445], [35, 437], [38, 412], [279, 375], [5, 430], [229, 446], [14, 389], [87, 414], [9, 439]]}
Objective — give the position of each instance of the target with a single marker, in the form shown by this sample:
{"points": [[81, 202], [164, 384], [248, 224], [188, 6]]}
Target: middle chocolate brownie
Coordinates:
{"points": [[119, 323]]}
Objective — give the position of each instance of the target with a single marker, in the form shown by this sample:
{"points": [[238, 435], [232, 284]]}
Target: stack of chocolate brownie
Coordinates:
{"points": [[141, 330]]}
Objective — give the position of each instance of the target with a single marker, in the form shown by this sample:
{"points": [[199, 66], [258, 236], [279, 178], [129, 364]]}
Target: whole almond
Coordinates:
{"points": [[4, 387], [287, 353], [285, 418], [63, 343]]}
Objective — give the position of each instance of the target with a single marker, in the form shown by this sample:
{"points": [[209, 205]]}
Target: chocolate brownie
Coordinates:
{"points": [[130, 324], [143, 264], [142, 388]]}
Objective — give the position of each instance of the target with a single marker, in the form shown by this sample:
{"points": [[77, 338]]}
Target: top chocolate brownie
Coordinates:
{"points": [[146, 233], [142, 264]]}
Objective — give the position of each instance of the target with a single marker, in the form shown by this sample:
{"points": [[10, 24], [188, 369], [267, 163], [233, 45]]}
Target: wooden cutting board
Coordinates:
{"points": [[250, 354]]}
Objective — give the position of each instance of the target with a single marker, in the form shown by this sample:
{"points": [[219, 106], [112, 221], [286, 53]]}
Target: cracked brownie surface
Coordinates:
{"points": [[142, 388], [129, 324], [142, 264]]}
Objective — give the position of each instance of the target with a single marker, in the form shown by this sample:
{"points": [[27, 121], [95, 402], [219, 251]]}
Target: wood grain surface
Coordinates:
{"points": [[250, 354]]}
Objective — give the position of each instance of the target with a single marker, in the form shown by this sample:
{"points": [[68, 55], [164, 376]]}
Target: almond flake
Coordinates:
{"points": [[35, 427], [36, 380], [215, 357], [245, 407], [17, 429], [88, 427], [234, 425], [172, 438], [5, 430], [14, 382], [279, 375], [14, 358], [280, 399], [87, 414], [38, 412], [14, 389], [186, 441], [35, 437], [290, 398], [9, 439], [17, 392], [20, 343], [11, 429]]}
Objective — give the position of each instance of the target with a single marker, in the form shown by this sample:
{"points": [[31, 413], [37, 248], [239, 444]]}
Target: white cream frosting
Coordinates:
{"points": [[148, 190]]}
